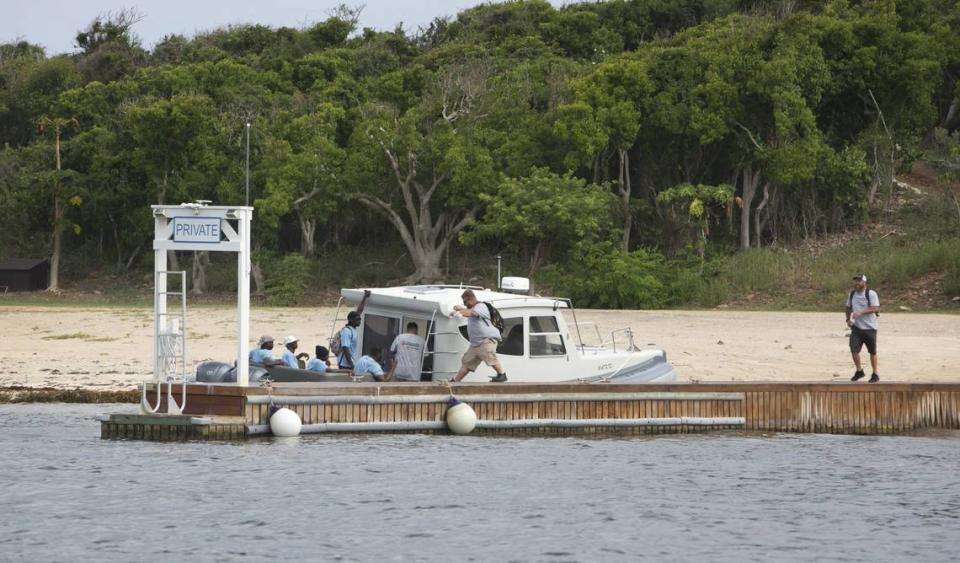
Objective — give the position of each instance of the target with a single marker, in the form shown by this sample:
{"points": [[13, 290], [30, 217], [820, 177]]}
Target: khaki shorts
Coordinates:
{"points": [[486, 352]]}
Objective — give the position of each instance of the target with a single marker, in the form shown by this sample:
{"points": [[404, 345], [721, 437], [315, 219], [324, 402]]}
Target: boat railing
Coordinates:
{"points": [[628, 332]]}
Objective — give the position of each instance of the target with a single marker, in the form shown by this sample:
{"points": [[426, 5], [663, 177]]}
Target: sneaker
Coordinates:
{"points": [[858, 375], [874, 378], [499, 378]]}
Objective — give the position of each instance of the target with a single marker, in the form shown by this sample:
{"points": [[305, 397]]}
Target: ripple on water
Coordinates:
{"points": [[411, 497]]}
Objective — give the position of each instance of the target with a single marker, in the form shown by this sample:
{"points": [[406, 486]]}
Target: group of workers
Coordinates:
{"points": [[406, 353]]}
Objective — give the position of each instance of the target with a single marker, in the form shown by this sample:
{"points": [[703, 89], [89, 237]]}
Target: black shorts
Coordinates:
{"points": [[861, 336]]}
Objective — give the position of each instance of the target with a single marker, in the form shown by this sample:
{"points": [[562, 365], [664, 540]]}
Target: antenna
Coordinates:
{"points": [[499, 278]]}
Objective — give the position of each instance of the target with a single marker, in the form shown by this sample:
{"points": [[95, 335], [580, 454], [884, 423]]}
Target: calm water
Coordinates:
{"points": [[66, 495]]}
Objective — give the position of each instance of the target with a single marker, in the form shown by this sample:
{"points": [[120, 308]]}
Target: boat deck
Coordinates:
{"points": [[231, 412]]}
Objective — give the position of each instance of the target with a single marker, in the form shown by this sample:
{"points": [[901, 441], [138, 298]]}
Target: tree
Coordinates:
{"points": [[57, 125], [541, 213], [433, 168], [302, 168], [606, 119], [694, 202]]}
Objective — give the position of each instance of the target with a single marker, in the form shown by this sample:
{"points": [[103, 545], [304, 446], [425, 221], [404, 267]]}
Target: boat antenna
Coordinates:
{"points": [[499, 279]]}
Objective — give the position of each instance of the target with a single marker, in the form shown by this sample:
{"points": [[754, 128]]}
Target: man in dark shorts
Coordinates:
{"points": [[863, 304]]}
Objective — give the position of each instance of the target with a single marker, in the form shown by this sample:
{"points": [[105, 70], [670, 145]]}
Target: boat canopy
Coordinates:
{"points": [[442, 298]]}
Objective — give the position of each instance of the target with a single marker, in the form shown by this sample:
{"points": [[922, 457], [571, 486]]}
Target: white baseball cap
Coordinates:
{"points": [[860, 277], [289, 340]]}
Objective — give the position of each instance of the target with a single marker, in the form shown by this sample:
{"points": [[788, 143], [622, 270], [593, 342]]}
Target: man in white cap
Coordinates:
{"points": [[290, 357], [863, 304], [263, 353]]}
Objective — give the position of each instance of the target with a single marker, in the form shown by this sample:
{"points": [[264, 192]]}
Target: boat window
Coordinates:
{"points": [[545, 337], [512, 342], [547, 345], [543, 324], [379, 332]]}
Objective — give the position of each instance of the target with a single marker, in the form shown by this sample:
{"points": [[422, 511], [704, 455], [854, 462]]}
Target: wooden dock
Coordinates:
{"points": [[226, 412]]}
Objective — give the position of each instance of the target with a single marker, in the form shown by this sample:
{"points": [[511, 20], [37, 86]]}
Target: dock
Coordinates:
{"points": [[230, 412]]}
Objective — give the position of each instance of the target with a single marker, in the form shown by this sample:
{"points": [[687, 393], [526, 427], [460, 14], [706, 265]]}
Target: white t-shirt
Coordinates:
{"points": [[858, 303], [407, 349]]}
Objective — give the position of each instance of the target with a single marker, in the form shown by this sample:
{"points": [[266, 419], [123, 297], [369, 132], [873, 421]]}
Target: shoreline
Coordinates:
{"points": [[92, 352]]}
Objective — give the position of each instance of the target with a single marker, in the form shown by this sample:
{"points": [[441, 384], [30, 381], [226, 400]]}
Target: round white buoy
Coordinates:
{"points": [[461, 419], [285, 423]]}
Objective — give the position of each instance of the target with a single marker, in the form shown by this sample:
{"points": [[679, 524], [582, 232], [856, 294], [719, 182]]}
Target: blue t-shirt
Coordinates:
{"points": [[348, 340], [317, 365], [260, 356], [290, 359], [367, 365]]}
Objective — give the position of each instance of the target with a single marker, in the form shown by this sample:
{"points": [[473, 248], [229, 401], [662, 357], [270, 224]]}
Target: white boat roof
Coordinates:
{"points": [[444, 297]]}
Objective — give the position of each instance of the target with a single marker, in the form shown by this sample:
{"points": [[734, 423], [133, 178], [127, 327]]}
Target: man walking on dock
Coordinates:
{"points": [[863, 306], [483, 335]]}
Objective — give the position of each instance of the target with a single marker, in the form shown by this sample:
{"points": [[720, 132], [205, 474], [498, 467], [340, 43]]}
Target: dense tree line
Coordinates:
{"points": [[603, 139]]}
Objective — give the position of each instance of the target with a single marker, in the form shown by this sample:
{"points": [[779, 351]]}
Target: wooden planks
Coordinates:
{"points": [[766, 407]]}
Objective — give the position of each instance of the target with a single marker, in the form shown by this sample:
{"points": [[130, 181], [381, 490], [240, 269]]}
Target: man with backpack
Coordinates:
{"points": [[863, 308], [346, 343], [484, 335]]}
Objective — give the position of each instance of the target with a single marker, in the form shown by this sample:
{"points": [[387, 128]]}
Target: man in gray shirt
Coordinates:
{"points": [[863, 304], [483, 336], [407, 350]]}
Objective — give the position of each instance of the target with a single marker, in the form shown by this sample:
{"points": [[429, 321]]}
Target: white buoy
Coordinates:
{"points": [[285, 423], [461, 419]]}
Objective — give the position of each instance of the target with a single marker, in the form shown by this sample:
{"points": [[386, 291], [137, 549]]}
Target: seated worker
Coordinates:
{"points": [[263, 353], [291, 360], [370, 365], [321, 363]]}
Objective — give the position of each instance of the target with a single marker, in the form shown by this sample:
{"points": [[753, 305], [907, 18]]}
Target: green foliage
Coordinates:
{"points": [[368, 140], [287, 279], [602, 275], [544, 211]]}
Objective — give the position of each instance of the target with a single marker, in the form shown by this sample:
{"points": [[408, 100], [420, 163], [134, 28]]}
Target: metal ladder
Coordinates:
{"points": [[169, 345], [427, 351]]}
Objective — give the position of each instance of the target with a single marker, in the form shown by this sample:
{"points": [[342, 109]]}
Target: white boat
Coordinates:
{"points": [[538, 345]]}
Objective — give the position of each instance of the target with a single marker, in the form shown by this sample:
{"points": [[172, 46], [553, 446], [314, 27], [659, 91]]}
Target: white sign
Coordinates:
{"points": [[196, 229]]}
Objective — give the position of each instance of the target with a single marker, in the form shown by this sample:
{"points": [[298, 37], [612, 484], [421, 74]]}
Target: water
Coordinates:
{"points": [[66, 495]]}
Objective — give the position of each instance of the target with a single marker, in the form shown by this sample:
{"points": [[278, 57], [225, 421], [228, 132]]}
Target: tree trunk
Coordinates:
{"points": [[258, 280], [751, 178], [54, 280], [198, 274], [623, 188], [539, 255], [425, 236], [758, 212], [308, 230], [133, 257]]}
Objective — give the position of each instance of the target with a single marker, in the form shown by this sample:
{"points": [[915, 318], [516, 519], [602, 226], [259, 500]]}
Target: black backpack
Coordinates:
{"points": [[495, 319], [867, 295]]}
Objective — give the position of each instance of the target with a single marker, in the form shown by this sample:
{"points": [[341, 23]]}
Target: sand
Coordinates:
{"points": [[109, 348]]}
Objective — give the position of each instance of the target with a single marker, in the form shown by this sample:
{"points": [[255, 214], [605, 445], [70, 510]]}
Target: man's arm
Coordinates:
{"points": [[867, 311], [363, 302], [464, 311]]}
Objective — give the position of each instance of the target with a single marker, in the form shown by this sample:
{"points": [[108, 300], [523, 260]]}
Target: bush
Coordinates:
{"points": [[287, 279], [602, 275]]}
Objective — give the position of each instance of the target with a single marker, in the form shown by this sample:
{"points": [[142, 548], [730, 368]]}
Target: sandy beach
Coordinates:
{"points": [[110, 348]]}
